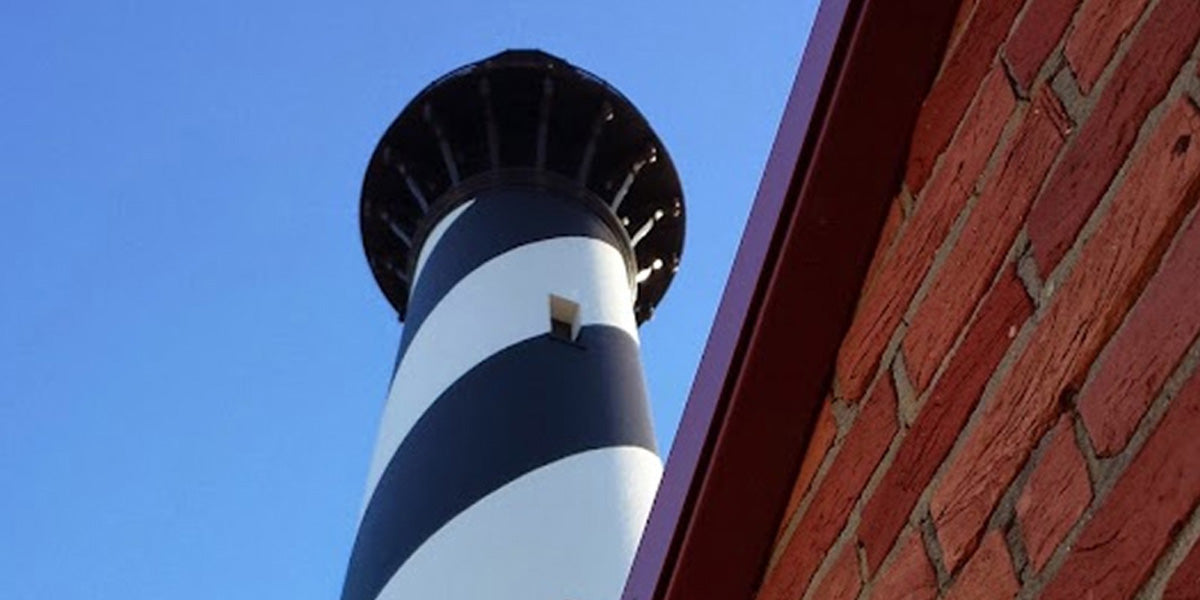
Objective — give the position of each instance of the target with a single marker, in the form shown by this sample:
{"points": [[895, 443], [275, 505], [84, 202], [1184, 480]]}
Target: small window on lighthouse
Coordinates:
{"points": [[564, 318]]}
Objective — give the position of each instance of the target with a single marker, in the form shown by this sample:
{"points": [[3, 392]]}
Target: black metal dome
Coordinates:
{"points": [[521, 117]]}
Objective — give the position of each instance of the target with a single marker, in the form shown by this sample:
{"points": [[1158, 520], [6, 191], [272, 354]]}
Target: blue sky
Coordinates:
{"points": [[193, 354]]}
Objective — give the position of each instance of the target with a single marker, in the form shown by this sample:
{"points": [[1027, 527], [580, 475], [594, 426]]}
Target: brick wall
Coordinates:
{"points": [[1016, 406]]}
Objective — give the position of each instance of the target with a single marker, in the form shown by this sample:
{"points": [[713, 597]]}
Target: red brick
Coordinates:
{"points": [[961, 20], [1036, 34], [1150, 502], [823, 434], [887, 238], [1158, 331], [1056, 495], [985, 239], [910, 576], [900, 272], [1139, 83], [843, 581], [938, 424], [975, 143], [1100, 289], [957, 83], [1100, 27], [826, 515], [988, 575], [1185, 581]]}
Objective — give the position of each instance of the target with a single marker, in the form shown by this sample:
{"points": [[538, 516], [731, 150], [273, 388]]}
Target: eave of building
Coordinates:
{"points": [[836, 163]]}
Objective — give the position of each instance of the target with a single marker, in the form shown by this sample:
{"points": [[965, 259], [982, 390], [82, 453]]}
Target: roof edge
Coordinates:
{"points": [[837, 160]]}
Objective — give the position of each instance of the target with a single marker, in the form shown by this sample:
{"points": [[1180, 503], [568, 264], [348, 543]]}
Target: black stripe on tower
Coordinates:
{"points": [[529, 405], [498, 221]]}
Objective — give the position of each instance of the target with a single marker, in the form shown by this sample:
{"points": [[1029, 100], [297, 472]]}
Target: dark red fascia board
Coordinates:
{"points": [[837, 161]]}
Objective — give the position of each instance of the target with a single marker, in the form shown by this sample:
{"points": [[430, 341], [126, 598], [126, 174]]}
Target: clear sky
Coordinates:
{"points": [[193, 353]]}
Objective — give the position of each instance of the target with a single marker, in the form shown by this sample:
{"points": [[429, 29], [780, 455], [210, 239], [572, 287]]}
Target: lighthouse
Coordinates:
{"points": [[523, 220]]}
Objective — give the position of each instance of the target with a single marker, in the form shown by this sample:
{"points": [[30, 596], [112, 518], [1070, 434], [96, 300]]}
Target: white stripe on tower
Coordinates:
{"points": [[470, 323], [387, 436], [513, 461], [530, 538]]}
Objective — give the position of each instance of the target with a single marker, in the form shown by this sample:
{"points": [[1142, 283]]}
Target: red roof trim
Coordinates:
{"points": [[837, 161]]}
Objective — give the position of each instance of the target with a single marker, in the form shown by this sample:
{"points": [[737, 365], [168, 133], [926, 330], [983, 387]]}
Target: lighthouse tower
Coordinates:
{"points": [[523, 219]]}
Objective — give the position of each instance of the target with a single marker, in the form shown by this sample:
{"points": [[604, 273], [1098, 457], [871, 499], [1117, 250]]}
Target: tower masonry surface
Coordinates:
{"points": [[523, 219]]}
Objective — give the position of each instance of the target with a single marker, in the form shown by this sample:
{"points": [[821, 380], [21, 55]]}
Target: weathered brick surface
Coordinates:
{"points": [[1153, 498], [825, 517], [823, 434], [985, 239], [1137, 85], [1036, 34], [933, 433], [1185, 581], [1055, 496], [900, 272], [910, 575], [1101, 26], [988, 575], [1099, 290], [965, 67], [1146, 349], [842, 582], [1115, 320]]}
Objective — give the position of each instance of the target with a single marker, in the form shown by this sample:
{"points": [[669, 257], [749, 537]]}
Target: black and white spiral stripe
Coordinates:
{"points": [[511, 463]]}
